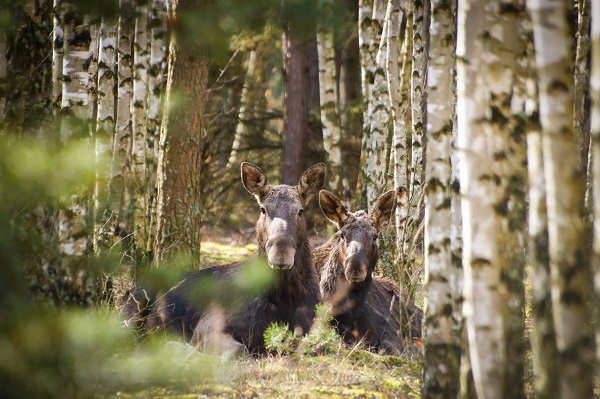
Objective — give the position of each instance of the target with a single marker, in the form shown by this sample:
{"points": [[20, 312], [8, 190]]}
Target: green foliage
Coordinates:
{"points": [[321, 339], [76, 354], [279, 338]]}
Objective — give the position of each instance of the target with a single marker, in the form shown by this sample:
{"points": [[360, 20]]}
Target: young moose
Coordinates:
{"points": [[283, 245], [364, 307]]}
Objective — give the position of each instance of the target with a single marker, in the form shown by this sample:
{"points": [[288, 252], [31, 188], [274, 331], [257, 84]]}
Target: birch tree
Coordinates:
{"points": [[442, 348], [77, 111], [157, 76], [139, 109], [543, 346], [377, 115], [121, 153], [330, 116], [105, 217], [569, 263], [420, 37], [484, 304]]}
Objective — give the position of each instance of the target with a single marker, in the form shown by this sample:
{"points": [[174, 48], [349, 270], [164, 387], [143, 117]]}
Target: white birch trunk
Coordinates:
{"points": [[374, 151], [157, 76], [402, 153], [77, 112], [595, 149], [394, 18], [569, 264], [543, 345], [418, 104], [57, 55], [121, 162], [246, 112], [139, 109], [332, 135], [484, 304], [105, 214], [442, 350]]}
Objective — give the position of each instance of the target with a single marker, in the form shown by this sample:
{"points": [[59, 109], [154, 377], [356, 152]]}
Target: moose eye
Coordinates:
{"points": [[263, 211], [375, 237], [342, 236], [301, 212]]}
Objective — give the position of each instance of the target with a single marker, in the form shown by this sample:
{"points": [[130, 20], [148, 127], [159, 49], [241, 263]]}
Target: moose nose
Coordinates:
{"points": [[280, 253], [356, 269]]}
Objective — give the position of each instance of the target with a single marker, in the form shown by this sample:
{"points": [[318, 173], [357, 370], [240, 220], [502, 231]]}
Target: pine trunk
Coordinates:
{"points": [[595, 151], [179, 202], [581, 109], [569, 263], [442, 349], [484, 303], [295, 144]]}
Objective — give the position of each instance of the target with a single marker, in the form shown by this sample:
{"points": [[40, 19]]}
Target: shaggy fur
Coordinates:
{"points": [[226, 316], [369, 309]]}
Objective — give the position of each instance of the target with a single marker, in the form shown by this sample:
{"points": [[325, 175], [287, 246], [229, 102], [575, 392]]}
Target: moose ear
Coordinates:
{"points": [[255, 181], [386, 204], [311, 181], [332, 208]]}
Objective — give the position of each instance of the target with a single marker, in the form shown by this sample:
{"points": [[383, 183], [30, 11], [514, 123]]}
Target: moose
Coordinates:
{"points": [[365, 308], [233, 319]]}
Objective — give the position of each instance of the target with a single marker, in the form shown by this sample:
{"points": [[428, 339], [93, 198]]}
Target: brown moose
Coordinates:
{"points": [[234, 317], [365, 308]]}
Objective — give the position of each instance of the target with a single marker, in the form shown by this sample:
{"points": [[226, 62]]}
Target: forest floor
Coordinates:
{"points": [[345, 372]]}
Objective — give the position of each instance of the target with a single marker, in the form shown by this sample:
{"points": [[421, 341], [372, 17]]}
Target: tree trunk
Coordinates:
{"points": [[376, 119], [295, 143], [442, 349], [246, 113], [121, 161], [420, 38], [178, 221], [157, 76], [543, 344], [569, 264], [595, 150], [139, 110], [581, 108], [330, 116], [77, 113], [485, 305], [105, 215]]}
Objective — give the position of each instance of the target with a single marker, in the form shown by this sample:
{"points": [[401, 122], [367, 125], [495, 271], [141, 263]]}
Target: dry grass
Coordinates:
{"points": [[347, 374]]}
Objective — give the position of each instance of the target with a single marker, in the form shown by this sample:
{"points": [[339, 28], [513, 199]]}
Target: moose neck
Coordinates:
{"points": [[291, 285], [335, 288]]}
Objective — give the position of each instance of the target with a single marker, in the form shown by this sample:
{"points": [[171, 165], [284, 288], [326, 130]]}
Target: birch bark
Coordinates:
{"points": [[330, 115], [442, 349], [484, 304], [105, 214], [569, 263]]}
